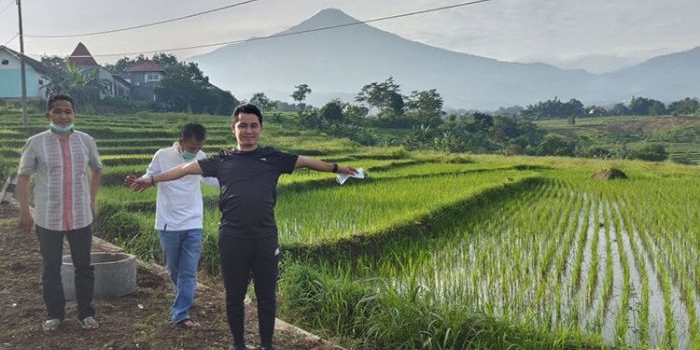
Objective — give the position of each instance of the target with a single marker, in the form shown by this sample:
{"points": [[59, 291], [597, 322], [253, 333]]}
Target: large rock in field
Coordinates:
{"points": [[608, 174]]}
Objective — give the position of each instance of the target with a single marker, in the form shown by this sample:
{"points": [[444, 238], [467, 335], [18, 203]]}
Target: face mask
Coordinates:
{"points": [[186, 155], [61, 129]]}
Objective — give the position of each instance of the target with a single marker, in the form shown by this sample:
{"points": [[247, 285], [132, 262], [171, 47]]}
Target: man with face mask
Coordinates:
{"points": [[179, 214], [67, 173]]}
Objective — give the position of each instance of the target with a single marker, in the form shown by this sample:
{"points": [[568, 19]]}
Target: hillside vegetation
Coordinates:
{"points": [[621, 136], [438, 250]]}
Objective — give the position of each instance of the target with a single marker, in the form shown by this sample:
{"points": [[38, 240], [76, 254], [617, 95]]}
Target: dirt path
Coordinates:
{"points": [[137, 321]]}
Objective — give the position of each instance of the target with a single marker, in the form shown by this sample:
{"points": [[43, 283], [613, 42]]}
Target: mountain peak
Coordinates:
{"points": [[337, 62], [326, 18]]}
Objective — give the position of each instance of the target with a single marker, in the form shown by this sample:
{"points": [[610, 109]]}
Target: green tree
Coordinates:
{"points": [[165, 60], [177, 90], [124, 63], [301, 92], [555, 109], [424, 107], [185, 88], [646, 106], [428, 101], [686, 106], [653, 152], [59, 77], [333, 111], [354, 112], [370, 94], [54, 63], [556, 146], [299, 95], [259, 99], [504, 129], [384, 96]]}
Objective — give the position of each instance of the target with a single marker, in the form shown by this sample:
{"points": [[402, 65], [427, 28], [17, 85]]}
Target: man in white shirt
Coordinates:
{"points": [[179, 216]]}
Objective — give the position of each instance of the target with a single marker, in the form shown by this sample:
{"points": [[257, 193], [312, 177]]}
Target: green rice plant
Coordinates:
{"points": [[592, 278], [608, 279], [584, 219], [564, 253], [621, 321], [642, 309], [315, 215]]}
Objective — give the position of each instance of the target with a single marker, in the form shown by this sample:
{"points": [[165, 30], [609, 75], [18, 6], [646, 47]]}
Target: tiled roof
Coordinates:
{"points": [[82, 57], [145, 66]]}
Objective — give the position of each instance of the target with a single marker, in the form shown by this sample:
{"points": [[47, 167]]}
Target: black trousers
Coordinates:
{"points": [[51, 249], [241, 260]]}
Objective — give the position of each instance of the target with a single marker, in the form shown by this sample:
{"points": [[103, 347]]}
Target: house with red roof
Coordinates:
{"points": [[82, 59], [144, 76]]}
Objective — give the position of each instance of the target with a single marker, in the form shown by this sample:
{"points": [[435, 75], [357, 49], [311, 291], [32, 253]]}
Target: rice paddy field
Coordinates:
{"points": [[443, 251]]}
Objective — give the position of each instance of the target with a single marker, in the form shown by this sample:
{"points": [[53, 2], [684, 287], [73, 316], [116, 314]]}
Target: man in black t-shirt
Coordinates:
{"points": [[247, 232]]}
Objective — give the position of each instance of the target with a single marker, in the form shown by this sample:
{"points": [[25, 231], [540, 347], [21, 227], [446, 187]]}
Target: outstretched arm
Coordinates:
{"points": [[174, 173], [319, 165]]}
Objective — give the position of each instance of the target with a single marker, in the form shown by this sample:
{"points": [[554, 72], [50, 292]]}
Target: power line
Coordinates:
{"points": [[13, 38], [145, 24], [407, 14], [6, 7], [3, 10]]}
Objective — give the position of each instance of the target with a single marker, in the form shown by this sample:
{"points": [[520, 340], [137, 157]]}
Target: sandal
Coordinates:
{"points": [[51, 325], [187, 323], [89, 323]]}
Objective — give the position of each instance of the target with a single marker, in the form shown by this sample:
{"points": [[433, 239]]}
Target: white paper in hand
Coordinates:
{"points": [[342, 177]]}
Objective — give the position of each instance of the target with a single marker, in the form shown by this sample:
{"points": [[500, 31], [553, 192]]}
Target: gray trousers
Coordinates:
{"points": [[51, 249]]}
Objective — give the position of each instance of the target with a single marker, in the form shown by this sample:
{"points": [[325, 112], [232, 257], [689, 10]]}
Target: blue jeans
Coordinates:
{"points": [[181, 250]]}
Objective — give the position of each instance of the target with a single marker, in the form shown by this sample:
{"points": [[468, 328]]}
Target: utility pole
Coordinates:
{"points": [[22, 68]]}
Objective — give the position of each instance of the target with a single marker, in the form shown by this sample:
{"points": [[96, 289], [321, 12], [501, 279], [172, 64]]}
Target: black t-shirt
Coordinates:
{"points": [[248, 182]]}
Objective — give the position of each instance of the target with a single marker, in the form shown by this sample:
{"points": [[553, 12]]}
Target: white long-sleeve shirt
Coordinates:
{"points": [[179, 202]]}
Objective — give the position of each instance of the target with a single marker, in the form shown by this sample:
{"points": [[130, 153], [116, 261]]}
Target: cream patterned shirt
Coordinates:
{"points": [[61, 185]]}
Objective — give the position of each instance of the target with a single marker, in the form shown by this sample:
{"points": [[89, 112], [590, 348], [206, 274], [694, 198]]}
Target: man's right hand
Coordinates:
{"points": [[26, 222]]}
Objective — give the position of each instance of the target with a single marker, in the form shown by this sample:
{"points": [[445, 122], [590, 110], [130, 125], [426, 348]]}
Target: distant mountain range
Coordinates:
{"points": [[338, 62]]}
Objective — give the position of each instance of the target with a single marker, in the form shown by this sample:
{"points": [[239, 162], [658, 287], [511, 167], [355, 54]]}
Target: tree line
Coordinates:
{"points": [[641, 106], [184, 88], [381, 105]]}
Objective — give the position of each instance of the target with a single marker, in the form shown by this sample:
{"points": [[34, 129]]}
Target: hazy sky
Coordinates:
{"points": [[597, 35]]}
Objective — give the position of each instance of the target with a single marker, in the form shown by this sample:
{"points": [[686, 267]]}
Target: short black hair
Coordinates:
{"points": [[56, 97], [193, 130], [246, 108]]}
